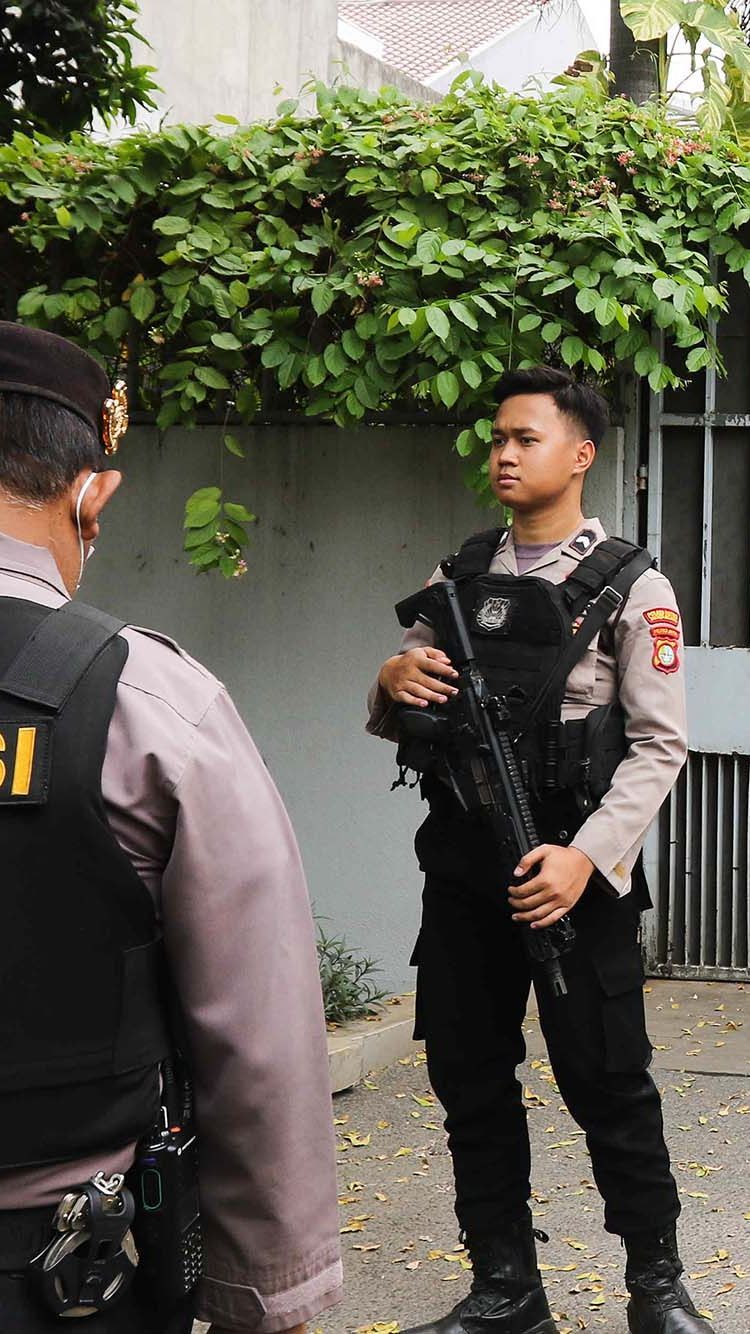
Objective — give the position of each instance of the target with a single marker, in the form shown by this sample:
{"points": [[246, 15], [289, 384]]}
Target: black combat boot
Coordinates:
{"points": [[506, 1295], [659, 1303]]}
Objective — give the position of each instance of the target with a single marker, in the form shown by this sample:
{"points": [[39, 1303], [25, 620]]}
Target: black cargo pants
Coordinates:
{"points": [[23, 1234], [473, 981]]}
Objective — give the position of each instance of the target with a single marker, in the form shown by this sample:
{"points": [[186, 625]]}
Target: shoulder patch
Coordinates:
{"points": [[583, 542], [664, 624]]}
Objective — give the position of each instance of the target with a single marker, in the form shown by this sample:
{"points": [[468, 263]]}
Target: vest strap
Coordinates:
{"points": [[474, 556], [58, 654], [596, 571]]}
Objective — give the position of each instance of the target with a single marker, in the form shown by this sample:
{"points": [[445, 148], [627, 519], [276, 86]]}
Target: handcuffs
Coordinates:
{"points": [[91, 1261]]}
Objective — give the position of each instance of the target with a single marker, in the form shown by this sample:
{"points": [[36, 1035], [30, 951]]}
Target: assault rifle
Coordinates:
{"points": [[475, 728]]}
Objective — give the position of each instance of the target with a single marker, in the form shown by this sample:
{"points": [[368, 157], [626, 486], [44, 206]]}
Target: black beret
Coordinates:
{"points": [[33, 361]]}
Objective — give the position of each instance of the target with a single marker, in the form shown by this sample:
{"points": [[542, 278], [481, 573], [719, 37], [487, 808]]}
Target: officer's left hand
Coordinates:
{"points": [[559, 883]]}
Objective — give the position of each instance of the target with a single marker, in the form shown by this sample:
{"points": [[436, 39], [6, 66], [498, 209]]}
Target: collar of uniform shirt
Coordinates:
{"points": [[30, 562]]}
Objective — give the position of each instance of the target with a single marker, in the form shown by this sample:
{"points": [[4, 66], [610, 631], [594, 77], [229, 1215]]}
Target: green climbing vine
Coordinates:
{"points": [[374, 257]]}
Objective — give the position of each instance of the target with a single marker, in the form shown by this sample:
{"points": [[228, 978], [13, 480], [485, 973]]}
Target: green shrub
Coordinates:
{"points": [[346, 979]]}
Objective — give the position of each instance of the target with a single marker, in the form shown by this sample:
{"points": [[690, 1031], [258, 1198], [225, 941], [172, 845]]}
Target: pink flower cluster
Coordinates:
{"points": [[529, 158], [679, 148], [626, 157], [316, 201], [371, 279]]}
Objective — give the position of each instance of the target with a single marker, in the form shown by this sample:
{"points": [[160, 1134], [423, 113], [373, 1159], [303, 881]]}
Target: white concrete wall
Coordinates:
{"points": [[353, 65], [348, 523], [227, 56], [537, 49]]}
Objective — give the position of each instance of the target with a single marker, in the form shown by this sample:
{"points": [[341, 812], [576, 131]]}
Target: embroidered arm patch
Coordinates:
{"points": [[664, 624], [25, 750]]}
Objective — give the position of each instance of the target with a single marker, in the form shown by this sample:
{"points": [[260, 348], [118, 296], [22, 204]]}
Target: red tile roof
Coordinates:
{"points": [[421, 37]]}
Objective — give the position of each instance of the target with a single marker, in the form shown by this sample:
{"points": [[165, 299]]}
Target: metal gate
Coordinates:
{"points": [[698, 855]]}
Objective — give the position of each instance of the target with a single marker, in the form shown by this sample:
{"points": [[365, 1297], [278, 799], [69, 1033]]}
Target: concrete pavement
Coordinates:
{"points": [[402, 1257]]}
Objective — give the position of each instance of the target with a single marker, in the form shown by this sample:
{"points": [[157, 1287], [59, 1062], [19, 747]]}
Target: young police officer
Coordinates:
{"points": [[600, 754], [134, 806]]}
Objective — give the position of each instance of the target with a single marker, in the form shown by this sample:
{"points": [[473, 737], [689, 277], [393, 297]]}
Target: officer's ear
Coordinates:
{"points": [[584, 457], [99, 490]]}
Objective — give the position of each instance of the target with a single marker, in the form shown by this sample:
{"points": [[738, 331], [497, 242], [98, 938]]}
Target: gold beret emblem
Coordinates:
{"points": [[115, 417]]}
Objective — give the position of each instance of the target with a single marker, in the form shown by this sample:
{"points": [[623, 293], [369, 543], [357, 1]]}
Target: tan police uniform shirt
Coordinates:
{"points": [[645, 671], [190, 801]]}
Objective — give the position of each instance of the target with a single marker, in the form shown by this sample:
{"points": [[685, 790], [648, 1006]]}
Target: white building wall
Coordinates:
{"points": [[348, 523], [537, 49], [230, 57]]}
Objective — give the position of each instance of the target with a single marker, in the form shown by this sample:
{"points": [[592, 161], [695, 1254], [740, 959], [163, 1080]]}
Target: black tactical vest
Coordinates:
{"points": [[81, 1028], [523, 632]]}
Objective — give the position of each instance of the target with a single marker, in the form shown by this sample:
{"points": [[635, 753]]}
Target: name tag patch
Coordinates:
{"points": [[25, 762]]}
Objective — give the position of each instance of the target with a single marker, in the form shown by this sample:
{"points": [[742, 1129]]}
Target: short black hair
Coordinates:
{"points": [[43, 447], [582, 403]]}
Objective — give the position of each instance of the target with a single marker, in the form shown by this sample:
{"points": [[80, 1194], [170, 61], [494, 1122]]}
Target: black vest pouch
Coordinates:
{"points": [[589, 751]]}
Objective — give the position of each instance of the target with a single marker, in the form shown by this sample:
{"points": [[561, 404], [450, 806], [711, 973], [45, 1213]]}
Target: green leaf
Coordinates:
{"points": [[142, 302], [664, 288], [572, 350], [465, 442], [172, 225], [472, 373], [210, 376], [239, 293], [233, 445], [430, 180], [448, 388], [428, 247], [227, 341], [463, 314], [586, 300], [697, 359], [198, 514], [64, 216], [352, 345], [648, 19], [366, 393], [529, 322], [226, 119], [238, 513], [116, 322], [551, 331], [438, 321], [605, 310], [646, 360], [322, 298], [335, 360]]}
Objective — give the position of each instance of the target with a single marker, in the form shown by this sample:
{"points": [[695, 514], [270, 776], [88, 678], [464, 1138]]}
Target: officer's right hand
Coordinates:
{"points": [[413, 677]]}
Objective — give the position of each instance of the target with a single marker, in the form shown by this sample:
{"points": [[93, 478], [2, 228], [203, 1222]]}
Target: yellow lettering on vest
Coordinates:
{"points": [[24, 762], [2, 766]]}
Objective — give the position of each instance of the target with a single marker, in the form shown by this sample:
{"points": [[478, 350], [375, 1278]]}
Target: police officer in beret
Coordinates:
{"points": [[601, 734], [145, 853]]}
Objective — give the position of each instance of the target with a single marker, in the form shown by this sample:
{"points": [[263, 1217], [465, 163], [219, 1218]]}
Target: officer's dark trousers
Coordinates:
{"points": [[473, 982], [23, 1234]]}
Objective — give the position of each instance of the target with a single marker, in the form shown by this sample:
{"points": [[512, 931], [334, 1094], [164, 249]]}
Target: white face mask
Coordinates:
{"points": [[79, 502]]}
